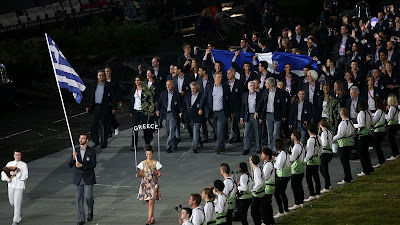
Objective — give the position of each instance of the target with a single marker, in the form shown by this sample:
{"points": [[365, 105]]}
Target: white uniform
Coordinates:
{"points": [[392, 113], [209, 212], [230, 187], [268, 171], [197, 217], [187, 223], [379, 117], [297, 152], [326, 138], [245, 183], [221, 203], [364, 119], [258, 179], [16, 187], [282, 160], [344, 130], [312, 146]]}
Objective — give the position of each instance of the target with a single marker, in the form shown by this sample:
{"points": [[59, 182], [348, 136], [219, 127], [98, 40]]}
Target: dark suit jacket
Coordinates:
{"points": [[235, 96], [117, 89], [162, 104], [377, 92], [338, 40], [191, 112], [306, 114], [295, 82], [253, 75], [206, 102], [86, 172], [109, 98], [302, 45], [314, 52], [157, 87], [349, 100], [185, 86], [244, 112], [317, 92], [279, 104], [199, 81]]}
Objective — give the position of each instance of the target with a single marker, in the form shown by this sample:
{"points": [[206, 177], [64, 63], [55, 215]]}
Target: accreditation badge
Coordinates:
{"points": [[87, 158]]}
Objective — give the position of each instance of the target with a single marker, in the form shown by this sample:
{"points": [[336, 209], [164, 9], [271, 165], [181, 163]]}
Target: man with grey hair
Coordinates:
{"points": [[215, 104], [189, 110], [235, 95], [352, 102], [250, 100], [312, 88], [272, 108]]}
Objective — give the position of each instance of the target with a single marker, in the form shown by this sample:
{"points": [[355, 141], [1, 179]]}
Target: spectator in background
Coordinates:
{"points": [[205, 25]]}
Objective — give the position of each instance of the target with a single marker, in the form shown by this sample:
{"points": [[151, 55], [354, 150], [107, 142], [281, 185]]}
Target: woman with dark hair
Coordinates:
{"points": [[392, 80], [194, 68], [369, 93], [349, 81], [149, 190], [283, 173], [209, 209], [363, 126], [141, 110], [153, 83], [378, 123], [244, 196], [339, 93]]}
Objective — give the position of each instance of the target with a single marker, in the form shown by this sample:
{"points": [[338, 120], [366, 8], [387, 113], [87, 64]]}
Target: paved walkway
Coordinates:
{"points": [[49, 197]]}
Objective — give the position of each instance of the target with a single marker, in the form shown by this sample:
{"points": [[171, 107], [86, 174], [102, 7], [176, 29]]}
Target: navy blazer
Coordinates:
{"points": [[279, 104], [206, 102], [235, 95], [252, 76], [185, 86], [244, 112], [199, 81], [162, 105], [317, 92], [109, 97], [191, 112], [86, 172], [306, 114]]}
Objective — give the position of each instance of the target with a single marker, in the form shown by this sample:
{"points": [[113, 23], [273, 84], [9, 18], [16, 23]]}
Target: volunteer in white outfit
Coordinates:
{"points": [[197, 217], [345, 139], [244, 196], [16, 184], [363, 126], [229, 191], [258, 191], [326, 154], [312, 162], [221, 203], [298, 167], [209, 208], [269, 177], [185, 216], [392, 118], [378, 123]]}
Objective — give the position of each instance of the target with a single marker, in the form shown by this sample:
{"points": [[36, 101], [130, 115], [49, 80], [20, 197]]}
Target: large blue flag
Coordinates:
{"points": [[66, 76], [226, 58]]}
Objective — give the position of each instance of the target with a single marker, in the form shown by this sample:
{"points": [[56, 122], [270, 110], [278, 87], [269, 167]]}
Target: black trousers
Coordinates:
{"points": [[100, 117], [139, 119], [259, 209], [392, 130], [114, 122], [364, 154], [297, 187], [345, 153], [312, 173], [243, 207], [326, 158], [229, 217], [234, 133], [280, 193], [378, 138]]}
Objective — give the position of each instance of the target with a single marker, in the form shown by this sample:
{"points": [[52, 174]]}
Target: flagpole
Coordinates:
{"points": [[62, 100]]}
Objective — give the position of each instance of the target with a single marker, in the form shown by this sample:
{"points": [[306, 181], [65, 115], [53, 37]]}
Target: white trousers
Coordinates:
{"points": [[15, 198]]}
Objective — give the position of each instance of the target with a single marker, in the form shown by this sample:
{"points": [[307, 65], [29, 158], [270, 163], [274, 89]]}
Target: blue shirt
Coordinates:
{"points": [[252, 102], [180, 83], [98, 98], [193, 99], [170, 94]]}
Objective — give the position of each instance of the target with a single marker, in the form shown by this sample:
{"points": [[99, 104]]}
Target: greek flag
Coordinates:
{"points": [[66, 76]]}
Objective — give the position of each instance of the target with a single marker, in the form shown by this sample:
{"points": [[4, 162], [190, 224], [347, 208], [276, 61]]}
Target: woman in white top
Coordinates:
{"points": [[392, 118], [378, 124], [244, 196], [326, 155], [149, 190], [209, 208]]}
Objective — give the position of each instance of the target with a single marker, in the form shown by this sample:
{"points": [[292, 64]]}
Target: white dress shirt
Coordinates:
{"points": [[344, 130], [221, 203], [297, 152], [209, 212], [245, 183], [138, 100], [282, 160], [197, 217], [258, 179], [312, 147], [268, 170], [271, 99]]}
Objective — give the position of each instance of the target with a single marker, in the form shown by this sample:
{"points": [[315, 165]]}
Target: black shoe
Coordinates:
{"points": [[103, 146], [201, 145], [237, 141], [245, 152], [95, 145], [81, 223], [217, 150], [179, 140], [90, 217], [175, 147], [222, 149], [231, 141], [169, 150], [195, 150]]}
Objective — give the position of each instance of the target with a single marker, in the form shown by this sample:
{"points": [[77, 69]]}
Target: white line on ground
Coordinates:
{"points": [[79, 114], [114, 186], [12, 135]]}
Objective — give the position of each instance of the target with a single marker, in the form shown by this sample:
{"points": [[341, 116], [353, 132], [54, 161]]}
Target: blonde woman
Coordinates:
{"points": [[392, 118], [149, 190]]}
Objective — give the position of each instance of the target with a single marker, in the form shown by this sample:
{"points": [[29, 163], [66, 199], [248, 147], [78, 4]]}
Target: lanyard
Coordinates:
{"points": [[371, 96]]}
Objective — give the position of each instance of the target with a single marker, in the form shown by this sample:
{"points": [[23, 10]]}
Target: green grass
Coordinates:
{"points": [[373, 199]]}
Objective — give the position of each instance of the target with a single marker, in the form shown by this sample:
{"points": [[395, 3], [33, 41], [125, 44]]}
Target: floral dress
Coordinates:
{"points": [[149, 187]]}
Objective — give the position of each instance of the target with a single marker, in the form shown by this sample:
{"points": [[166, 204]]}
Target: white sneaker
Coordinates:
{"points": [[378, 166], [279, 215], [330, 188], [317, 196], [309, 199], [342, 182], [361, 174], [370, 148], [325, 191], [294, 207], [391, 158], [116, 131]]}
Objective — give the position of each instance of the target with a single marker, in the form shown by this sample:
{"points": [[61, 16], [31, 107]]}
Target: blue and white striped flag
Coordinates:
{"points": [[66, 76]]}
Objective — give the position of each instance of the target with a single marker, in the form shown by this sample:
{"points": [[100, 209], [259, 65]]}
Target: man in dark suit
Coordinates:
{"points": [[190, 111], [101, 103], [235, 95], [181, 86], [343, 43], [168, 108], [160, 74], [250, 100], [312, 88], [215, 104], [246, 74], [272, 109], [203, 80], [312, 51], [186, 59], [117, 90], [244, 46], [300, 115], [330, 72], [290, 79], [84, 161], [299, 40]]}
